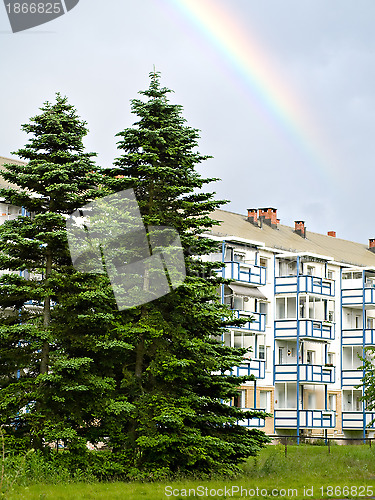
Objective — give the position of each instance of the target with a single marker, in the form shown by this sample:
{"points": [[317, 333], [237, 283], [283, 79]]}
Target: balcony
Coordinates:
{"points": [[358, 296], [314, 374], [354, 336], [256, 367], [351, 377], [258, 323], [246, 273], [357, 420], [304, 284], [308, 419], [252, 422], [308, 328]]}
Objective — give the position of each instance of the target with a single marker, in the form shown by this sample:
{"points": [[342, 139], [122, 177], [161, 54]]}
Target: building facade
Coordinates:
{"points": [[310, 302]]}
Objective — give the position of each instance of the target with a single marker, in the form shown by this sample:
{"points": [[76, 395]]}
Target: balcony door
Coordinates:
{"points": [[351, 400]]}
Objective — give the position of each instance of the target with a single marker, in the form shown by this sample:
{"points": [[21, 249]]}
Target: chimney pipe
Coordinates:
{"points": [[332, 233], [371, 244], [299, 228], [252, 216], [269, 217]]}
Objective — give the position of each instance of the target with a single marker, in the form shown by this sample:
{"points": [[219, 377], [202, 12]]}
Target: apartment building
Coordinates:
{"points": [[7, 211], [310, 302]]}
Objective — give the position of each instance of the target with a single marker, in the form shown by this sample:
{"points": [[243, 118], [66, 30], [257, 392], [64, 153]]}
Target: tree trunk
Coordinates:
{"points": [[44, 362], [138, 372]]}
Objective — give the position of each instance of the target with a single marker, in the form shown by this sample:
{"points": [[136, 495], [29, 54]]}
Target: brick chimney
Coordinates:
{"points": [[252, 216], [371, 244], [299, 228], [332, 233], [269, 216]]}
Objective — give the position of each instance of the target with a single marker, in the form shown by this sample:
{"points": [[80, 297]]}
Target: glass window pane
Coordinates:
{"points": [[291, 307], [280, 308], [261, 352], [238, 339]]}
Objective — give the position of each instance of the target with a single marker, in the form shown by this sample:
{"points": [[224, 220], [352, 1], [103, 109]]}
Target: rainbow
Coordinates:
{"points": [[254, 71]]}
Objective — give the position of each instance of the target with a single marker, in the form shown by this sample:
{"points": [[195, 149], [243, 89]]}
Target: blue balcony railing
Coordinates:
{"points": [[358, 296], [306, 284], [256, 367], [257, 323], [308, 419], [354, 336], [351, 377], [247, 273], [252, 422], [319, 330], [358, 420], [316, 374]]}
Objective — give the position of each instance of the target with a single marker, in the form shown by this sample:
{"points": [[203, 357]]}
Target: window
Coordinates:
{"points": [[331, 358], [238, 338], [280, 308], [243, 339], [357, 322], [351, 275], [286, 307], [281, 355], [358, 403], [265, 400], [310, 357], [292, 352], [263, 308], [263, 262], [315, 308], [238, 303], [291, 307], [238, 256], [370, 323], [310, 270], [240, 399], [330, 274], [332, 398], [287, 268], [311, 401], [228, 253], [261, 352]]}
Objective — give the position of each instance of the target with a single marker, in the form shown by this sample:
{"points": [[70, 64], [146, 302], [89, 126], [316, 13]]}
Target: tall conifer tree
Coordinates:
{"points": [[58, 177], [174, 379]]}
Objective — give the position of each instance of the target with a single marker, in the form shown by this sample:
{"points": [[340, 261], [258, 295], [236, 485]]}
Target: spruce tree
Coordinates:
{"points": [[58, 177], [173, 378]]}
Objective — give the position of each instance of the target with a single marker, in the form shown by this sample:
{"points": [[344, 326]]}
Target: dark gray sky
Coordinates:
{"points": [[283, 93]]}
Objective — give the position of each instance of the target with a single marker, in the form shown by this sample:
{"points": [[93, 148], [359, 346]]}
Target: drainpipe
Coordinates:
{"points": [[363, 350], [274, 338], [298, 374], [222, 275], [255, 393]]}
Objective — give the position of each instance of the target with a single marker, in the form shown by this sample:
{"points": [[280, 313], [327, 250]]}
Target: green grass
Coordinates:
{"points": [[304, 467]]}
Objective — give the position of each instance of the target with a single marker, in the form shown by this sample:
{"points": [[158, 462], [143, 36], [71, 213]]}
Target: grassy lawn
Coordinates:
{"points": [[306, 472]]}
